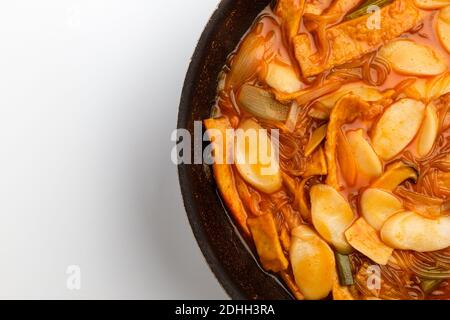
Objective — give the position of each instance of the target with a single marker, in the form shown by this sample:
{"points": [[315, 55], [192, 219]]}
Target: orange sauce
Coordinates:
{"points": [[267, 25]]}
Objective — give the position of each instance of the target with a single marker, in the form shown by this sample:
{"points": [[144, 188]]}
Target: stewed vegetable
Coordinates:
{"points": [[347, 176]]}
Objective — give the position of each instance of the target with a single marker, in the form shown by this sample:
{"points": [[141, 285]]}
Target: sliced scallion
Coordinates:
{"points": [[429, 286], [364, 8], [316, 139], [344, 270], [262, 104]]}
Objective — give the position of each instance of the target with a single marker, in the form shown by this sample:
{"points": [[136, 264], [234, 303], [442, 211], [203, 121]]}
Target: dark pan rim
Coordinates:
{"points": [[232, 260], [214, 263]]}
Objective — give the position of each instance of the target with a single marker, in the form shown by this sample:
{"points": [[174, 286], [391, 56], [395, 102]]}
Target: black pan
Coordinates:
{"points": [[231, 260]]}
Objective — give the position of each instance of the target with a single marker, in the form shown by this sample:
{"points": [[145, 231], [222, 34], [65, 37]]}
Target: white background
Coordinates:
{"points": [[89, 92]]}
